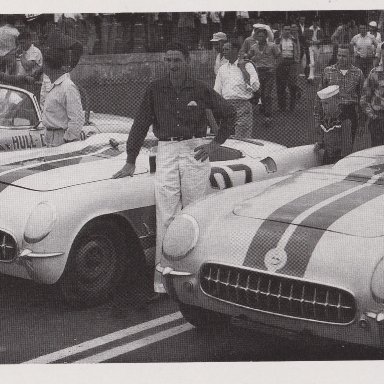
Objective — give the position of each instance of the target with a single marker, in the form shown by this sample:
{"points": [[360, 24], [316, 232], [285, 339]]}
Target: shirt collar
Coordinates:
{"points": [[61, 79], [188, 82]]}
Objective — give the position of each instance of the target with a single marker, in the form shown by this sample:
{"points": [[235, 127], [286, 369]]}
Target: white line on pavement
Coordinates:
{"points": [[121, 350], [51, 357]]}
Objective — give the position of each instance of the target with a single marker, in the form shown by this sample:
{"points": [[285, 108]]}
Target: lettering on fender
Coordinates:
{"points": [[227, 179], [23, 142]]}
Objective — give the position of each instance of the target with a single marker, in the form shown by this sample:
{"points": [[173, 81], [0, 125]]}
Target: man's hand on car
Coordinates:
{"points": [[127, 170], [205, 150]]}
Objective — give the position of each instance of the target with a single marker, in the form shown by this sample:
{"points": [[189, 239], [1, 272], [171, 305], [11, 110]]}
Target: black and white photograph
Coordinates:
{"points": [[185, 192]]}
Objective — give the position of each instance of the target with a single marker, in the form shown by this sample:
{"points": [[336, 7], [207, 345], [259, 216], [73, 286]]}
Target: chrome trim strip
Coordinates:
{"points": [[170, 271], [275, 275], [26, 253]]}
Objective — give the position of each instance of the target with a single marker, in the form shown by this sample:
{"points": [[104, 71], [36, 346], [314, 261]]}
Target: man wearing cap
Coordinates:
{"points": [[176, 106], [373, 31], [372, 102], [63, 115], [236, 81], [218, 41], [330, 124], [350, 80]]}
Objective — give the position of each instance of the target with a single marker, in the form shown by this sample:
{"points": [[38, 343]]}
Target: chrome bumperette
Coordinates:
{"points": [[278, 295], [8, 247]]}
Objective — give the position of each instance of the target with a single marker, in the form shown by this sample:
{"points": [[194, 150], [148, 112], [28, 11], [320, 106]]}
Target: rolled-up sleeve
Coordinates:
{"points": [[223, 112], [75, 114], [141, 124], [254, 79]]}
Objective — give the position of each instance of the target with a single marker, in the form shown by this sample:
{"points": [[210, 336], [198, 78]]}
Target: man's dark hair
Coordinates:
{"points": [[235, 43], [286, 24], [54, 58], [346, 47], [177, 45], [264, 31], [24, 36]]}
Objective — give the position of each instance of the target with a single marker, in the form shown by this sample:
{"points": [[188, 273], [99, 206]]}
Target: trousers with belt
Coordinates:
{"points": [[180, 179], [244, 117], [54, 137]]}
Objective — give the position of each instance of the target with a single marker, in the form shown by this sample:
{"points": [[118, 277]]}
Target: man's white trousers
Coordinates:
{"points": [[180, 180]]}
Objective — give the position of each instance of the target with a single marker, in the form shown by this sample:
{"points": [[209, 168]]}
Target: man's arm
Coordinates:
{"points": [[218, 87], [365, 101], [141, 124], [139, 130], [222, 111], [253, 81], [75, 114]]}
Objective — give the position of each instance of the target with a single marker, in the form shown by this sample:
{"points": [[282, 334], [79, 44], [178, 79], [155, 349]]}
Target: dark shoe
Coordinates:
{"points": [[156, 297]]}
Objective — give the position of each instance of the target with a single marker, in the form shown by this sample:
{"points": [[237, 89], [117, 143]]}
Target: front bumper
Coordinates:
{"points": [[366, 329]]}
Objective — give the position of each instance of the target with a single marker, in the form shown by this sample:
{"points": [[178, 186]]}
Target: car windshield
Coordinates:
{"points": [[17, 110]]}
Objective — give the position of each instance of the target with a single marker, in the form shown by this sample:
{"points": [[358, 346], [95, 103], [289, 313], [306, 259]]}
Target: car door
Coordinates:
{"points": [[20, 120]]}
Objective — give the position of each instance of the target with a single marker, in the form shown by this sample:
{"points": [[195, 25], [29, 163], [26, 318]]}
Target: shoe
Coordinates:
{"points": [[310, 81], [156, 297]]}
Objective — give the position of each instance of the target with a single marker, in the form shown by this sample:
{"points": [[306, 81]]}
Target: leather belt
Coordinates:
{"points": [[54, 129], [182, 138]]}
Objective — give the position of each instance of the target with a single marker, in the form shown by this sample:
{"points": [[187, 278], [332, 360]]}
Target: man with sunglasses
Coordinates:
{"points": [[176, 107]]}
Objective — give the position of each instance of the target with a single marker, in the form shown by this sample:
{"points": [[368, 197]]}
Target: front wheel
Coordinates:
{"points": [[203, 318], [97, 262]]}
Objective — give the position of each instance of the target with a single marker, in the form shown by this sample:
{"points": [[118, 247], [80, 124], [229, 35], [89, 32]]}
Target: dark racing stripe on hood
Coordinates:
{"points": [[85, 151], [304, 239], [18, 174]]}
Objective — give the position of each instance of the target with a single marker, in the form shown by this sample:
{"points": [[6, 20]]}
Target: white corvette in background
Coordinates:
{"points": [[65, 221], [21, 127], [297, 254]]}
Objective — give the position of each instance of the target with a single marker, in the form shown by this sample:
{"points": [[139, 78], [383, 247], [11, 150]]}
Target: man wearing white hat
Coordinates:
{"points": [[330, 124], [251, 40], [218, 40]]}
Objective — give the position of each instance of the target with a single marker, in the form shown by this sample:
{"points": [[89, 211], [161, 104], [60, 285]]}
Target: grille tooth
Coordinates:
{"points": [[277, 294]]}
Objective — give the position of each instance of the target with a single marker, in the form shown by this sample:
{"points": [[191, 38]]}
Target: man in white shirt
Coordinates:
{"points": [[365, 50], [236, 81], [29, 58], [218, 40], [8, 35]]}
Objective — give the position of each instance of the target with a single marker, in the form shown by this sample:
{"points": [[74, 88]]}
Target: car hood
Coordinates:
{"points": [[76, 163], [323, 199]]}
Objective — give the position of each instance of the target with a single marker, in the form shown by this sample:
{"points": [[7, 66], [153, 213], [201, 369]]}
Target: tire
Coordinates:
{"points": [[203, 318], [98, 261]]}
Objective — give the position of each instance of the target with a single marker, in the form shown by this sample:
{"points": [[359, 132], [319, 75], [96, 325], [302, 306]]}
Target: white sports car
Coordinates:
{"points": [[21, 127], [299, 254], [66, 221]]}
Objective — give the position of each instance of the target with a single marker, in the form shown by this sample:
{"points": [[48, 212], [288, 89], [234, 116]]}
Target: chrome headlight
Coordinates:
{"points": [[377, 282], [181, 237], [39, 223]]}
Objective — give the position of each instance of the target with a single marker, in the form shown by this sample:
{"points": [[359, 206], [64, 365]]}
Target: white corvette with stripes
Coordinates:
{"points": [[298, 254], [65, 221]]}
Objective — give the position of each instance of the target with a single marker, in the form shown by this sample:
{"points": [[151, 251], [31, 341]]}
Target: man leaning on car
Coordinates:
{"points": [[176, 106], [63, 116]]}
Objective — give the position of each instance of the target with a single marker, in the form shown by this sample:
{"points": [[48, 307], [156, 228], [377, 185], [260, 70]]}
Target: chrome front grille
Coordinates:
{"points": [[8, 247], [276, 294]]}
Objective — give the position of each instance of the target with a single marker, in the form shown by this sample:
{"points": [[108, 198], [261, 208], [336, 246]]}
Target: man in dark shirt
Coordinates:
{"points": [[176, 106]]}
